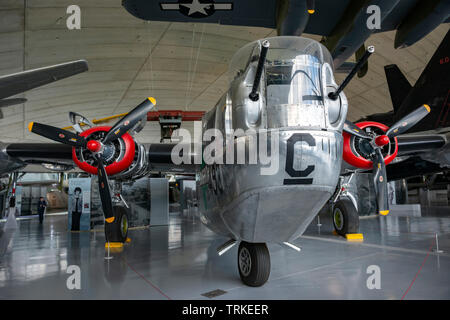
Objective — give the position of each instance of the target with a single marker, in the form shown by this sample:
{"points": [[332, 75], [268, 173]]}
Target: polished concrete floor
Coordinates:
{"points": [[179, 261]]}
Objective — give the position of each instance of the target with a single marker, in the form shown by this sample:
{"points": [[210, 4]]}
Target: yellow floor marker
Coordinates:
{"points": [[113, 244], [354, 237]]}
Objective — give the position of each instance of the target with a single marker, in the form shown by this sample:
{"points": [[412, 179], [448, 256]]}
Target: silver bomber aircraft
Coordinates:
{"points": [[283, 90]]}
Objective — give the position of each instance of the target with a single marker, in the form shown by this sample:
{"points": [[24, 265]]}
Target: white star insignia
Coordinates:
{"points": [[196, 6]]}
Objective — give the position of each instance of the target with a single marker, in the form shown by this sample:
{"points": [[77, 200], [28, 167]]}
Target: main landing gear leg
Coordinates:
{"points": [[345, 217], [116, 227], [116, 230], [253, 263], [343, 209]]}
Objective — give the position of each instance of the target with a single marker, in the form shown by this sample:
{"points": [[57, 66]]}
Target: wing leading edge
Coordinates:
{"points": [[23, 81]]}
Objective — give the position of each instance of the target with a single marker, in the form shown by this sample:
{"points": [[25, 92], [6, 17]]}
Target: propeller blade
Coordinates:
{"points": [[353, 129], [380, 181], [130, 120], [105, 192], [57, 134], [310, 6], [408, 121]]}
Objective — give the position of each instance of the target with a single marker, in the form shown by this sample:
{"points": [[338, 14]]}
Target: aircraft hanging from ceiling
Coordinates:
{"points": [[343, 25], [16, 83], [282, 100]]}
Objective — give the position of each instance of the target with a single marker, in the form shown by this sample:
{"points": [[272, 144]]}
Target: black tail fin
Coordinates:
{"points": [[399, 86], [431, 88]]}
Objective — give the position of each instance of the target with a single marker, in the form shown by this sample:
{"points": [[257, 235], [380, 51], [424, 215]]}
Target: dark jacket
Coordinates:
{"points": [[41, 206]]}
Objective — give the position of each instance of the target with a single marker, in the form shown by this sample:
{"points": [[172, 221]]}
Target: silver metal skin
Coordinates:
{"points": [[290, 245], [226, 246], [116, 191], [342, 191], [57, 167], [138, 168], [7, 163], [236, 200]]}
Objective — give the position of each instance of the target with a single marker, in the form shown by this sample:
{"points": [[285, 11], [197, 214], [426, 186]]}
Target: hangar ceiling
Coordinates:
{"points": [[182, 65]]}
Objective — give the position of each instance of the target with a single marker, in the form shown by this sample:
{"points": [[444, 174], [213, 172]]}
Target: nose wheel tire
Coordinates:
{"points": [[253, 263], [117, 231], [345, 217]]}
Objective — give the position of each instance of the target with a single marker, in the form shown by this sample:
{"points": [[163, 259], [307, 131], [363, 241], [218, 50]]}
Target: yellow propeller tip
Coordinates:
{"points": [[152, 100], [30, 126], [311, 11], [384, 213], [427, 107]]}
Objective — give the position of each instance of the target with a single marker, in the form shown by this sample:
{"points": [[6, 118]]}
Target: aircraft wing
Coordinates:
{"points": [[343, 24], [420, 143], [58, 157], [17, 156], [266, 13], [20, 82], [257, 13], [423, 153]]}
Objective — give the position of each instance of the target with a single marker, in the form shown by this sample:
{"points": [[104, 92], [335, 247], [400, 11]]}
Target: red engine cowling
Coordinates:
{"points": [[352, 149], [120, 157]]}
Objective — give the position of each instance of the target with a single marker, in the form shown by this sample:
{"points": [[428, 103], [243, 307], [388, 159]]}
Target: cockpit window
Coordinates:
{"points": [[294, 81], [285, 48], [293, 75]]}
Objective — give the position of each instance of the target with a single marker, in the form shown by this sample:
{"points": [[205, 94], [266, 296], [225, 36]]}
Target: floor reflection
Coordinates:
{"points": [[179, 261]]}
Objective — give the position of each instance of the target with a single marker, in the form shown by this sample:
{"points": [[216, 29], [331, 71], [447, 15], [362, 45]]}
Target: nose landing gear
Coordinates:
{"points": [[253, 263]]}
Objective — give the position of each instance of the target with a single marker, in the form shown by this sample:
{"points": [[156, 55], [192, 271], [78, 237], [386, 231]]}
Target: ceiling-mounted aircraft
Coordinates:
{"points": [[16, 83], [282, 87], [342, 24]]}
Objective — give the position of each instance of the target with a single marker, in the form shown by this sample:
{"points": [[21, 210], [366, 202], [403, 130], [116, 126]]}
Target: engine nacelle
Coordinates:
{"points": [[118, 155], [355, 152], [138, 168]]}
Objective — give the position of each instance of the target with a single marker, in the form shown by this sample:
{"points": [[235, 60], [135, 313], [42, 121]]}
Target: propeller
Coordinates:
{"points": [[374, 145], [310, 6], [380, 181], [130, 120], [98, 147], [408, 121], [104, 190], [57, 134], [353, 129]]}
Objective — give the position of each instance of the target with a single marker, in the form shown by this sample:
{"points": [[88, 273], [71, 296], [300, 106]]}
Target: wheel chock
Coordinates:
{"points": [[354, 237], [113, 245], [128, 240], [335, 233]]}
